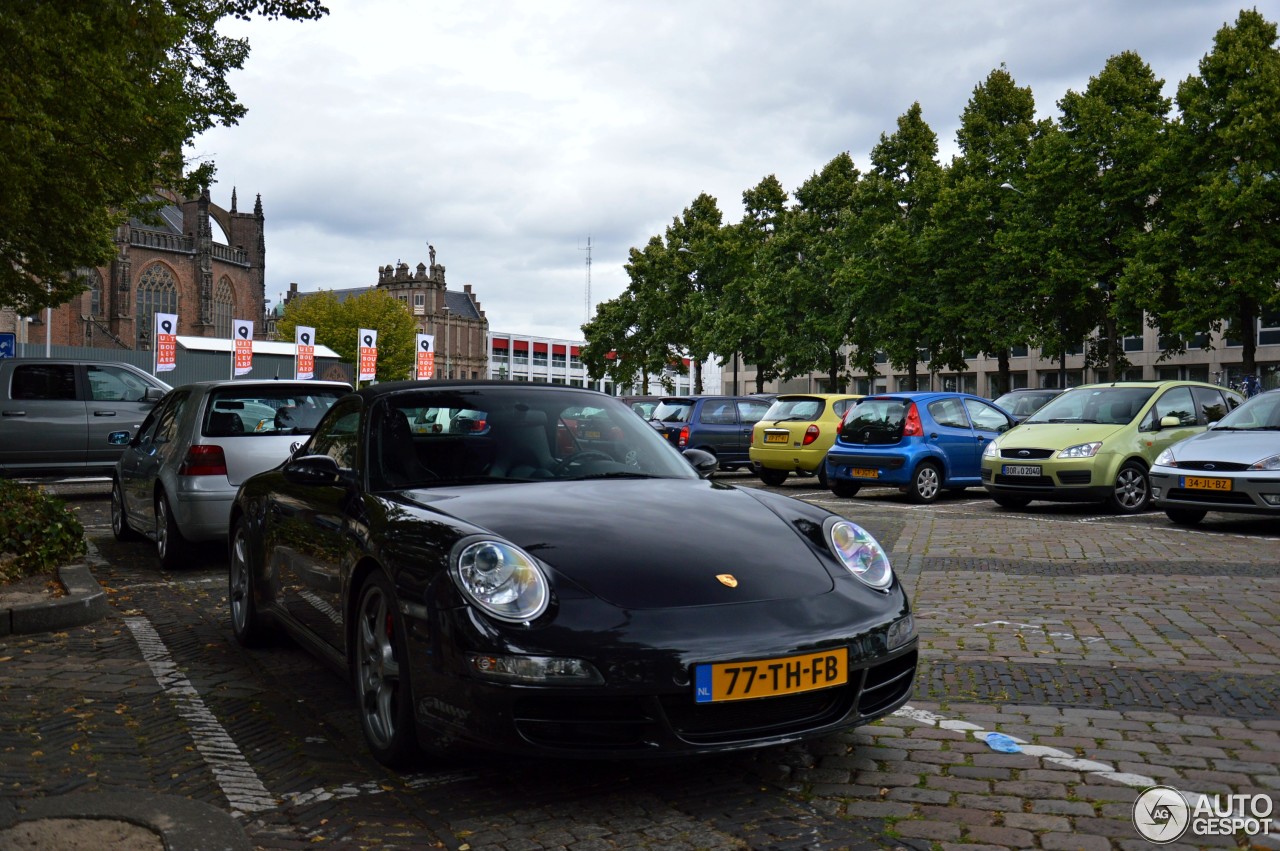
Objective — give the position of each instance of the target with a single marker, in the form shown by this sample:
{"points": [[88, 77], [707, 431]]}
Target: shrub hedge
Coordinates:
{"points": [[37, 532]]}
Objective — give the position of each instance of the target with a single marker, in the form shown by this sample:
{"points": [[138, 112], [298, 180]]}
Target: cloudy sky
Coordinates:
{"points": [[507, 134]]}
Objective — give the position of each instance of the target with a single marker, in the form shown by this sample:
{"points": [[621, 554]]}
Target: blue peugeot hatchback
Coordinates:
{"points": [[921, 443]]}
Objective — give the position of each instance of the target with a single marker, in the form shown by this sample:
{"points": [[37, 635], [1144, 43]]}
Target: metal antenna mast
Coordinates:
{"points": [[588, 300]]}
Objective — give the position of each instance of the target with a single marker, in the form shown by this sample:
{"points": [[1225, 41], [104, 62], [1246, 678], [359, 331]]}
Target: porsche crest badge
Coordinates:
{"points": [[727, 579]]}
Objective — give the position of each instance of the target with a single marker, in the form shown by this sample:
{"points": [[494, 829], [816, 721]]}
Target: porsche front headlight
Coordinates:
{"points": [[501, 579], [859, 552]]}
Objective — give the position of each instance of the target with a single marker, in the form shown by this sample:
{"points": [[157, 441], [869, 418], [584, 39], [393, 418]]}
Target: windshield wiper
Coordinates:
{"points": [[616, 474]]}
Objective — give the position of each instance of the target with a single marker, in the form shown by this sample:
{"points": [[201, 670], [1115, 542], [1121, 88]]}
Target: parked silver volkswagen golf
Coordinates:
{"points": [[178, 475]]}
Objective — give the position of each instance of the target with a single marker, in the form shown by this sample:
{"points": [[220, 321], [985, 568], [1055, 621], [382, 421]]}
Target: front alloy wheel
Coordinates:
{"points": [[120, 527], [1131, 493], [170, 545], [246, 621], [384, 696]]}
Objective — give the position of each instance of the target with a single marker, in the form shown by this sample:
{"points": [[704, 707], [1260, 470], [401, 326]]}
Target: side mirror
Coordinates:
{"points": [[119, 438], [1170, 422], [313, 470], [703, 462], [152, 394]]}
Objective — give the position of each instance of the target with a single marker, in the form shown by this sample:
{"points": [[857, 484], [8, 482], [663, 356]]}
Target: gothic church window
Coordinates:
{"points": [[224, 308], [157, 293]]}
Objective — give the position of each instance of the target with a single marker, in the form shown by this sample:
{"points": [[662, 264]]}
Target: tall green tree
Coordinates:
{"points": [[811, 250], [749, 321], [98, 98], [898, 311], [699, 263], [986, 291], [1212, 256], [338, 325], [1097, 176]]}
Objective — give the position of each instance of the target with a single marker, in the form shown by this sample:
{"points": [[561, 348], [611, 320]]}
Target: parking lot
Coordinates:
{"points": [[1121, 651]]}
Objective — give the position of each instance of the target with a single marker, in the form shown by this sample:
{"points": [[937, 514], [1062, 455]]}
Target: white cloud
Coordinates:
{"points": [[506, 133]]}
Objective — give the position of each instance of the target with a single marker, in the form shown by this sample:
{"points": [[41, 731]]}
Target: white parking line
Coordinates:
{"points": [[237, 779], [1047, 754]]}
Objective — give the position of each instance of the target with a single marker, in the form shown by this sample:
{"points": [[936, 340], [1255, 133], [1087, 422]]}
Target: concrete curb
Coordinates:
{"points": [[84, 603], [183, 824]]}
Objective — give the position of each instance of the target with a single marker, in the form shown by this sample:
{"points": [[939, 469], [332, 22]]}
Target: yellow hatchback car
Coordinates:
{"points": [[1095, 443], [795, 434]]}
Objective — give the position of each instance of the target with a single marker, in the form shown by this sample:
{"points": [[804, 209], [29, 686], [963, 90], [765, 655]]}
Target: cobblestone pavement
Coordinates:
{"points": [[1122, 652]]}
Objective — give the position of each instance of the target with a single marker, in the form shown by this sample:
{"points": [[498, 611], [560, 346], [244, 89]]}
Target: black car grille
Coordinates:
{"points": [[1215, 466], [1025, 454], [585, 722], [1209, 497], [1074, 477], [1025, 481], [635, 723]]}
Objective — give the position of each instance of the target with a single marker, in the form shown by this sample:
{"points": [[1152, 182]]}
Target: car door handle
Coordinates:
{"points": [[15, 413], [104, 413]]}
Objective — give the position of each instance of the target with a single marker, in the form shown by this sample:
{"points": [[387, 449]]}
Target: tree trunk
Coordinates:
{"points": [[1002, 362]]}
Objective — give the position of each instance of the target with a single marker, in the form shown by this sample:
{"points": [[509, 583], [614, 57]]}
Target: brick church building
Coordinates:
{"points": [[176, 264]]}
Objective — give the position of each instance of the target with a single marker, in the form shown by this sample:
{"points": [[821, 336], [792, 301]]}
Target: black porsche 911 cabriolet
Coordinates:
{"points": [[546, 575]]}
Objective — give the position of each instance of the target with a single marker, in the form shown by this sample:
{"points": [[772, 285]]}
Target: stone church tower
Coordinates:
{"points": [[173, 264]]}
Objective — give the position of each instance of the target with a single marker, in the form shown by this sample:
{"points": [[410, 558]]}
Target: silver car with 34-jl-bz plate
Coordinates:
{"points": [[1233, 466]]}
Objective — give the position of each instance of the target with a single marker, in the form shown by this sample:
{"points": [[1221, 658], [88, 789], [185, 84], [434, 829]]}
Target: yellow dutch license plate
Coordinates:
{"points": [[769, 677], [1205, 484], [592, 435], [864, 473], [776, 437]]}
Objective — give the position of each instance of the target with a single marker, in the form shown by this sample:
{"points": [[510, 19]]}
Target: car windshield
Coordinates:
{"points": [[794, 408], [511, 434], [1260, 413], [267, 410], [673, 411], [1107, 405], [1023, 403]]}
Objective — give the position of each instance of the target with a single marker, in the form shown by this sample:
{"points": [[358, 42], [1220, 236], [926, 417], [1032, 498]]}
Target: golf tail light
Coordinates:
{"points": [[810, 435], [912, 428], [684, 437], [859, 552], [206, 460], [534, 669]]}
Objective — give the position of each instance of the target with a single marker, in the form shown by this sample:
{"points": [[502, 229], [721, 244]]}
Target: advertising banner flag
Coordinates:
{"points": [[166, 333], [242, 359], [425, 365], [368, 355], [304, 359]]}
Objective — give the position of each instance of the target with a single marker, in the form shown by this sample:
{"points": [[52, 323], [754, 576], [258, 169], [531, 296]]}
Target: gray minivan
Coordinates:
{"points": [[55, 414], [720, 425]]}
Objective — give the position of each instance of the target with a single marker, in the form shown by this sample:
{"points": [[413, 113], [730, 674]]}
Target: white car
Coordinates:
{"points": [[178, 475]]}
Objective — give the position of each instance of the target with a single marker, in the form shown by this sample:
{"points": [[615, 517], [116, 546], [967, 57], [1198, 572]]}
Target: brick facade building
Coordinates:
{"points": [[172, 265], [454, 318]]}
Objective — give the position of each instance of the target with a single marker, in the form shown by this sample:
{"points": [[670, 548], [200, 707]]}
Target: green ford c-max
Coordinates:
{"points": [[1095, 443]]}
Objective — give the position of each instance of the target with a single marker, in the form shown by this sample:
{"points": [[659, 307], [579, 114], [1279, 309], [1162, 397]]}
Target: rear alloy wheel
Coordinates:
{"points": [[384, 695], [1185, 516], [119, 521], [925, 485], [170, 545], [1132, 493], [246, 621], [1004, 500], [844, 489], [772, 478]]}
